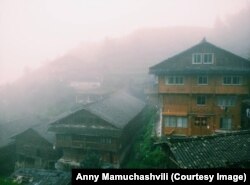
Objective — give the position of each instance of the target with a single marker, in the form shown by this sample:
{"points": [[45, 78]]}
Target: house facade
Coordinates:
{"points": [[34, 151], [104, 129], [201, 90]]}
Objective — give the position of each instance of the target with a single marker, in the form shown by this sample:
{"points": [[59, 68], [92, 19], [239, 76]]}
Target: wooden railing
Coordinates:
{"points": [[89, 145], [208, 89], [93, 145], [175, 110]]}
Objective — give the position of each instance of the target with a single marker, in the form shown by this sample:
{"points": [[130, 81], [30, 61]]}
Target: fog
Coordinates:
{"points": [[34, 33], [46, 46]]}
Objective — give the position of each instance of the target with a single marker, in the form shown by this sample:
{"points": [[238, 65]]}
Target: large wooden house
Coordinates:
{"points": [[104, 128], [201, 90]]}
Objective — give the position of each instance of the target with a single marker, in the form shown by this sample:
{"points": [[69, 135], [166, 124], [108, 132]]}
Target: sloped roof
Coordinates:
{"points": [[30, 132], [118, 109], [17, 126], [42, 176], [41, 129], [212, 151], [225, 62]]}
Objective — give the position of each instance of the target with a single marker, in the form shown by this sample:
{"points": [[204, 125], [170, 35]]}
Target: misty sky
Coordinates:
{"points": [[33, 32]]}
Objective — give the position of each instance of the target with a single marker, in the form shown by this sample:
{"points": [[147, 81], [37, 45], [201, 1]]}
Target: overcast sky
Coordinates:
{"points": [[33, 32]]}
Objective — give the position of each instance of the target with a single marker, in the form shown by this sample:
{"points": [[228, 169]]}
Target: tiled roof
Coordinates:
{"points": [[15, 127], [225, 62], [41, 176], [41, 130], [211, 151], [118, 109]]}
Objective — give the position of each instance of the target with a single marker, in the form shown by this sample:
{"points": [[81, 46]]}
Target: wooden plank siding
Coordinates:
{"points": [[181, 100], [215, 86], [94, 143], [225, 82], [34, 151]]}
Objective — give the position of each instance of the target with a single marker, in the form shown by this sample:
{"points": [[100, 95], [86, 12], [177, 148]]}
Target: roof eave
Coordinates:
{"points": [[193, 71]]}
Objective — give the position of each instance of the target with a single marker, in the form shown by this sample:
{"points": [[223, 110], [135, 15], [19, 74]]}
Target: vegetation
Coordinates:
{"points": [[91, 160], [144, 153], [4, 181]]}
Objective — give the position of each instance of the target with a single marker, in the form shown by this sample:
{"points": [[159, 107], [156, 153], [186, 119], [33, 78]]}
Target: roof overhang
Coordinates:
{"points": [[245, 72]]}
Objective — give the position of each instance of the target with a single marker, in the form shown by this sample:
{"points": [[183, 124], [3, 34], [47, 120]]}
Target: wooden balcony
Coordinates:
{"points": [[241, 89], [204, 89], [87, 145], [177, 110], [93, 145]]}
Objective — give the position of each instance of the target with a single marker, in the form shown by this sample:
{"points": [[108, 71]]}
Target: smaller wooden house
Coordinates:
{"points": [[34, 149], [217, 151], [105, 128]]}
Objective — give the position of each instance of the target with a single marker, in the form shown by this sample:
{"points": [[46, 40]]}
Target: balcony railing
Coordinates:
{"points": [[204, 89], [87, 145]]}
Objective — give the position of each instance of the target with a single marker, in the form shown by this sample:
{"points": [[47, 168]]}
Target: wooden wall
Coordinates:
{"points": [[34, 151], [215, 86], [181, 100]]}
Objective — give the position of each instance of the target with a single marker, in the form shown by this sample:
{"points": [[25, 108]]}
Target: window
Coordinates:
{"points": [[202, 80], [174, 121], [174, 80], [226, 123], [201, 100], [202, 58], [106, 140], [207, 58], [231, 80], [226, 101], [170, 121], [197, 58], [156, 79], [201, 121], [181, 122]]}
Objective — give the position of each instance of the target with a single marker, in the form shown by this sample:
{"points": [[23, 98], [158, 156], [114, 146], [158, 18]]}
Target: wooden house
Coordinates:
{"points": [[201, 90], [34, 149], [105, 128]]}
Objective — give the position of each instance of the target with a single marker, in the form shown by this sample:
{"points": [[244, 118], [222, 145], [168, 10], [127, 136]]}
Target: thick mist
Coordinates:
{"points": [[115, 63]]}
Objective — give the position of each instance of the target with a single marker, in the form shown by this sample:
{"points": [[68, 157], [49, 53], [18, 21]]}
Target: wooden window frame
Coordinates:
{"points": [[200, 99], [230, 79], [202, 78], [174, 79]]}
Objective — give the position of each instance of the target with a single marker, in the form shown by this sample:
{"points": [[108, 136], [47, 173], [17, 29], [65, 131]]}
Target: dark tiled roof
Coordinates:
{"points": [[211, 151], [118, 109], [14, 127], [41, 176], [41, 130], [225, 62]]}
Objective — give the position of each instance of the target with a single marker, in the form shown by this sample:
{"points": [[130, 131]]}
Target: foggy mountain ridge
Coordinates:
{"points": [[45, 92]]}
